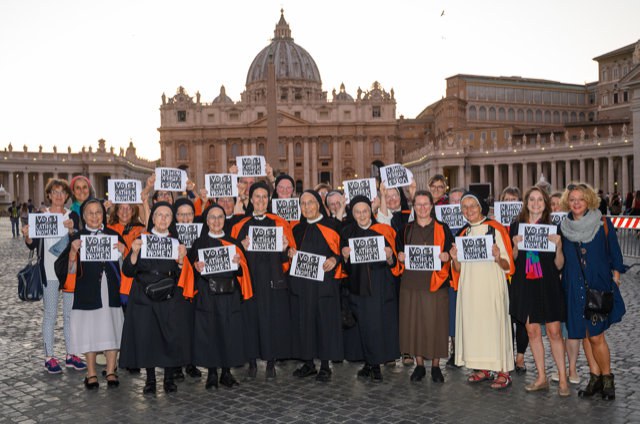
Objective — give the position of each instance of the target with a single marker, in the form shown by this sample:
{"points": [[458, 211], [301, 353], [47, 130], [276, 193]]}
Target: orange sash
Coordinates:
{"points": [[390, 236]]}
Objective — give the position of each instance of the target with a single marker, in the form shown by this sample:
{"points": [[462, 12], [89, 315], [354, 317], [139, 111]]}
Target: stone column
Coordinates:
{"points": [[525, 177], [314, 162], [483, 174], [567, 172], [306, 180], [596, 175], [554, 175], [625, 175], [538, 171], [224, 163], [497, 183], [336, 178], [25, 186], [254, 147], [39, 190], [291, 160], [610, 177], [583, 173], [461, 181], [198, 175], [360, 166], [10, 187]]}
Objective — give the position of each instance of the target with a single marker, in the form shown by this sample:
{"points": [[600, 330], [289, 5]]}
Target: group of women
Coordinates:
{"points": [[169, 313]]}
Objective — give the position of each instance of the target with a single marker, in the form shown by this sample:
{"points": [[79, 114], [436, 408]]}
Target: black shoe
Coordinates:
{"points": [[192, 371], [91, 382], [324, 375], [593, 386], [252, 372], [227, 380], [305, 371], [436, 375], [521, 370], [270, 372], [114, 382], [608, 387], [149, 388], [376, 374], [212, 379], [169, 387], [451, 363], [365, 372], [178, 375], [418, 373]]}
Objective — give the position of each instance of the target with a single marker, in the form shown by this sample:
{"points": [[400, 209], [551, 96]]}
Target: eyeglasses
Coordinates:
{"points": [[58, 193], [437, 187]]}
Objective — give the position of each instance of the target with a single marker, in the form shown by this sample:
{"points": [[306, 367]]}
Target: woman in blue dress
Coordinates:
{"points": [[591, 252]]}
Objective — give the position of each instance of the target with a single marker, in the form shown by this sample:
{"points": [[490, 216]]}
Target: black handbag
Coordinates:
{"points": [[30, 284], [160, 290], [598, 303], [220, 285]]}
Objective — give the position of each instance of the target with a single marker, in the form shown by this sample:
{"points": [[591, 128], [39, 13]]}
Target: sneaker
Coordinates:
{"points": [[76, 363], [52, 366]]}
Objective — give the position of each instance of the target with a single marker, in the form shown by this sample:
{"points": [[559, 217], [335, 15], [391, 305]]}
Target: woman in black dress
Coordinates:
{"points": [[267, 315], [536, 291], [154, 334], [373, 297], [315, 305], [217, 333]]}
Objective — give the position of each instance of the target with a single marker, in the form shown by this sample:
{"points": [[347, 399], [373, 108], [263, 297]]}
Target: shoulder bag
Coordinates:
{"points": [[30, 284], [598, 304]]}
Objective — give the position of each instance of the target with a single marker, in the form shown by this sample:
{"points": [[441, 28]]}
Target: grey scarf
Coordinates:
{"points": [[584, 229]]}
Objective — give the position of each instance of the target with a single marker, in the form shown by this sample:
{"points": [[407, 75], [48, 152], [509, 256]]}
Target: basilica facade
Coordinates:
{"points": [[315, 137]]}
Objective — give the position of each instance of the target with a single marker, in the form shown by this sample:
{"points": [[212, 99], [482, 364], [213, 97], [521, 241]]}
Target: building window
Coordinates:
{"points": [[347, 148], [483, 136], [375, 112], [211, 117], [556, 117], [494, 134], [520, 115], [507, 134], [492, 114], [574, 117], [565, 117], [529, 115], [260, 115], [581, 117], [625, 97], [377, 148], [538, 115], [604, 75], [547, 116], [324, 149], [298, 150], [182, 152], [347, 115], [501, 114], [605, 99], [296, 114], [261, 149], [324, 177], [283, 94], [282, 150], [615, 73], [235, 150], [472, 113], [234, 116], [182, 116], [472, 136], [482, 115], [324, 114], [615, 98]]}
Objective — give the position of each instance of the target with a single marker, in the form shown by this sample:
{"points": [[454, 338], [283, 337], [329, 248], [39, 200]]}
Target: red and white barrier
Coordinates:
{"points": [[630, 222]]}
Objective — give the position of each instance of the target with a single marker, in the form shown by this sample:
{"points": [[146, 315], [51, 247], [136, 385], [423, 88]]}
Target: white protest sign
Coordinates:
{"points": [[536, 237], [46, 225], [367, 249], [475, 248], [265, 239], [395, 175], [365, 187], [422, 258], [558, 217], [157, 247], [450, 215], [170, 179], [217, 259], [307, 265], [99, 248], [124, 191], [251, 166], [221, 185], [287, 209], [506, 212], [188, 233]]}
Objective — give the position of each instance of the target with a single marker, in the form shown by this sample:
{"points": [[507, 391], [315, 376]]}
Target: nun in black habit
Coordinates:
{"points": [[267, 315], [155, 332], [218, 333], [315, 305], [373, 297]]}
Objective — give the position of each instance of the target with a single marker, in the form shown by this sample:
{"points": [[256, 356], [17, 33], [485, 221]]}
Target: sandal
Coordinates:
{"points": [[113, 382], [91, 382], [480, 375], [502, 381]]}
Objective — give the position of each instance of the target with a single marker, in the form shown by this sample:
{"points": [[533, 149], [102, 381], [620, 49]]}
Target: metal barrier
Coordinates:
{"points": [[628, 231]]}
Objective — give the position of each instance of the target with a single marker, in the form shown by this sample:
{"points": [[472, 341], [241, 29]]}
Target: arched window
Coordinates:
{"points": [[547, 116], [183, 152], [377, 148], [347, 148], [529, 115], [556, 117], [261, 149], [501, 114], [574, 117], [492, 113], [473, 115], [581, 117], [298, 150], [482, 116], [511, 114], [538, 115], [520, 115], [565, 117]]}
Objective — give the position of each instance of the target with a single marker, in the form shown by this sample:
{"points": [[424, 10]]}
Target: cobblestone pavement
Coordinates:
{"points": [[28, 394]]}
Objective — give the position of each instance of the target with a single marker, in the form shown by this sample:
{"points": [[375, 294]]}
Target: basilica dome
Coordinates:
{"points": [[292, 62]]}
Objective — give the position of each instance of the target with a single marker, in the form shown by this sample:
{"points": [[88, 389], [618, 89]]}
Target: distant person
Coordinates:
{"points": [[14, 216]]}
